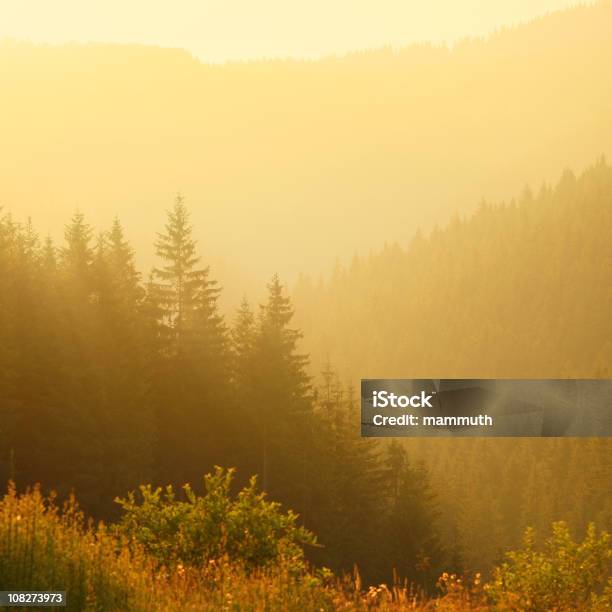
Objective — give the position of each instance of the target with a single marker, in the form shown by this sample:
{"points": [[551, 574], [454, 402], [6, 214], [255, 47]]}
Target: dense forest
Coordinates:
{"points": [[178, 353], [109, 379], [517, 290]]}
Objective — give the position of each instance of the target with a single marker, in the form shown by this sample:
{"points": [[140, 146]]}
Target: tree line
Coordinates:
{"points": [[109, 380], [518, 289]]}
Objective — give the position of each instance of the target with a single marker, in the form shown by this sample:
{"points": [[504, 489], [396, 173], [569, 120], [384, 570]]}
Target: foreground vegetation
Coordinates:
{"points": [[224, 552], [109, 379]]}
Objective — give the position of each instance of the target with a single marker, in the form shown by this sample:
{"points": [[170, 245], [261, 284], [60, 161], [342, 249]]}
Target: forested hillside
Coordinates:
{"points": [[277, 156], [518, 289], [179, 352], [109, 379]]}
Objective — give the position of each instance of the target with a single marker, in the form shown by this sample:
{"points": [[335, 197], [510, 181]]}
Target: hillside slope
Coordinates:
{"points": [[287, 164], [516, 290]]}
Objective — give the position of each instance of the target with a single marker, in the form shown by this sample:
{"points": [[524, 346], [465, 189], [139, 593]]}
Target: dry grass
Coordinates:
{"points": [[45, 547]]}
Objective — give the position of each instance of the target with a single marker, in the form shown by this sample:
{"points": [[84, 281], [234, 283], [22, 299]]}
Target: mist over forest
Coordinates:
{"points": [[199, 262], [289, 164], [517, 289], [111, 379]]}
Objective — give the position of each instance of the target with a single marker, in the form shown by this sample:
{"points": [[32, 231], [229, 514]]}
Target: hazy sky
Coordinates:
{"points": [[218, 30]]}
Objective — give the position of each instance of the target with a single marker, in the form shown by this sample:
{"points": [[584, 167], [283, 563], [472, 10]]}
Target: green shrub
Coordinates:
{"points": [[565, 575], [44, 546], [254, 561], [247, 528]]}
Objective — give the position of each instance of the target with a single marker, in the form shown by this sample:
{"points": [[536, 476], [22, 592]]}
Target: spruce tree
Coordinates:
{"points": [[408, 532], [124, 416], [9, 405], [347, 487], [77, 254], [283, 398], [243, 373], [243, 344], [126, 277], [191, 385], [188, 297]]}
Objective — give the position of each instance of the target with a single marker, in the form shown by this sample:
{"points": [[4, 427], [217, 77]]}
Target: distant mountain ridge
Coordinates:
{"points": [[288, 164]]}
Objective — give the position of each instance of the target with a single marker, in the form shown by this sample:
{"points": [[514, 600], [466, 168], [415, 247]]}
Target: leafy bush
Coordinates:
{"points": [[44, 546], [565, 575], [247, 528]]}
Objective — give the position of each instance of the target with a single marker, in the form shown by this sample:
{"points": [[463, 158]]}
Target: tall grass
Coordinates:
{"points": [[45, 546]]}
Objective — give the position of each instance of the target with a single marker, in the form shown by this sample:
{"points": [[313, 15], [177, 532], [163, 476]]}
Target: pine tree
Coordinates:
{"points": [[191, 386], [347, 483], [9, 405], [124, 413], [245, 421], [49, 258], [187, 295], [126, 277], [243, 344], [77, 254], [280, 342], [283, 398], [408, 531]]}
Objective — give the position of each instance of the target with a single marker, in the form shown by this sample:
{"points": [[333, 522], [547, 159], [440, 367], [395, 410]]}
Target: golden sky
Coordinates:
{"points": [[220, 30]]}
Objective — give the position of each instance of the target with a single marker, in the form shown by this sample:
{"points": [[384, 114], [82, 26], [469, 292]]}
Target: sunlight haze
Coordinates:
{"points": [[218, 31], [227, 227]]}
